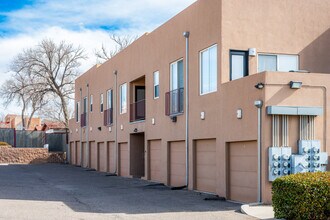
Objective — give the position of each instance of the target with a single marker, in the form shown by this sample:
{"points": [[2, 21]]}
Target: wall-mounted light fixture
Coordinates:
{"points": [[295, 85], [259, 86], [135, 130], [99, 128]]}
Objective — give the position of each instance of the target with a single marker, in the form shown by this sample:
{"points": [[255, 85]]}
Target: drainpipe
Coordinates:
{"points": [[186, 35], [81, 150], [259, 104], [116, 128], [87, 128]]}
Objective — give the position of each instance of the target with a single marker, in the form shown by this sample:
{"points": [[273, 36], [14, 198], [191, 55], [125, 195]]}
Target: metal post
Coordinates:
{"points": [[186, 35], [81, 150], [259, 104], [87, 128], [116, 128]]}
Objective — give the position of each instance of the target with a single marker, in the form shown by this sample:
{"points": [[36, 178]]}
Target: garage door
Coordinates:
{"points": [[84, 154], [78, 153], [155, 160], [102, 155], [243, 177], [72, 153], [124, 160], [93, 160], [112, 156], [206, 165], [177, 163]]}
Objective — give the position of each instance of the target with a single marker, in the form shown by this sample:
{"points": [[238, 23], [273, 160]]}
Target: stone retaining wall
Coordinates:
{"points": [[29, 156]]}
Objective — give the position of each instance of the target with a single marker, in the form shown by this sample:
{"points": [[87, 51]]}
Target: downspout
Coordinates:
{"points": [[81, 150], [116, 128], [186, 35], [259, 104], [87, 129]]}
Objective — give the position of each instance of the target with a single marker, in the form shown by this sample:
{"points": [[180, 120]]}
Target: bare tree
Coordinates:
{"points": [[53, 68], [19, 89], [121, 42]]}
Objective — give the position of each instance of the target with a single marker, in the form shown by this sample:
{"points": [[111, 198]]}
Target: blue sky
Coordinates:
{"points": [[88, 23]]}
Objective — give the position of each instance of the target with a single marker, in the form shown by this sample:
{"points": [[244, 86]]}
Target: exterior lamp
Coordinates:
{"points": [[259, 86], [295, 85]]}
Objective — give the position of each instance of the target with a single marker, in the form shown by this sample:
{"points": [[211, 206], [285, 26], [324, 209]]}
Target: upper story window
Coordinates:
{"points": [[101, 102], [123, 98], [85, 105], [77, 111], [278, 62], [208, 70], [156, 84], [238, 64], [176, 75], [109, 99], [91, 103]]}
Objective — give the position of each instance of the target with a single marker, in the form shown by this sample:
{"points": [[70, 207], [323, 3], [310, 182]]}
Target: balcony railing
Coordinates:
{"points": [[174, 102], [83, 120], [108, 117], [138, 111]]}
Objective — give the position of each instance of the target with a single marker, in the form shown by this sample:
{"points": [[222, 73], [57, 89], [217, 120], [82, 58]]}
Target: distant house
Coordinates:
{"points": [[15, 121], [53, 126]]}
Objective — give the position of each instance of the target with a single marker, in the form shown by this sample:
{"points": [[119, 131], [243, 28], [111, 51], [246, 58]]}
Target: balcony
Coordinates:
{"points": [[108, 117], [138, 111], [174, 102], [83, 120]]}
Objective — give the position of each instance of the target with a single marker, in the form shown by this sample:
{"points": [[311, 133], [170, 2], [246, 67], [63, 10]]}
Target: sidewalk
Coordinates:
{"points": [[258, 211]]}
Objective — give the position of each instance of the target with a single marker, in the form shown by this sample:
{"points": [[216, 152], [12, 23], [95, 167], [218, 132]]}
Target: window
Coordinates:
{"points": [[238, 64], [123, 98], [77, 111], [208, 70], [101, 102], [109, 99], [276, 62], [156, 85], [91, 103], [176, 75], [174, 98], [85, 105]]}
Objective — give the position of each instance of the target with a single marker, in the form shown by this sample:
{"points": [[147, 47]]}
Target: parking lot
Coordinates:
{"points": [[54, 191]]}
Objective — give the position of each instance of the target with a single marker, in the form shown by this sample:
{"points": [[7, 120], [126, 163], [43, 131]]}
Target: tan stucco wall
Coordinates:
{"points": [[270, 26]]}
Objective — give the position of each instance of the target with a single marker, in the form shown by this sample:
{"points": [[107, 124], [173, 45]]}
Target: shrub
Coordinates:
{"points": [[302, 196], [3, 144]]}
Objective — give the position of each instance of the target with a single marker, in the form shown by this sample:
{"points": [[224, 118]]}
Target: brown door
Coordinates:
{"points": [[72, 153], [205, 165], [124, 160], [155, 160], [243, 165], [102, 155], [111, 157], [177, 163], [78, 153], [93, 155]]}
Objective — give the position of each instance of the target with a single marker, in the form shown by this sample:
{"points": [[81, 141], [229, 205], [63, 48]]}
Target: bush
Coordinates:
{"points": [[302, 196], [3, 144]]}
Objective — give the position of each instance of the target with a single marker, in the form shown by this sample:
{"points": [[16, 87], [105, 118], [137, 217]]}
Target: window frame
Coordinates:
{"points": [[101, 103], [277, 60], [171, 77], [110, 91], [245, 54], [78, 112], [154, 86], [200, 70], [121, 109], [91, 104]]}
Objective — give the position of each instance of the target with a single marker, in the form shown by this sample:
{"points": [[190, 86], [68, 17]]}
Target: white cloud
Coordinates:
{"points": [[79, 22]]}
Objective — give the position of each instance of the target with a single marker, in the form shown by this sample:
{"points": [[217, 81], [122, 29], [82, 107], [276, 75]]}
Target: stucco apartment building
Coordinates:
{"points": [[257, 79]]}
